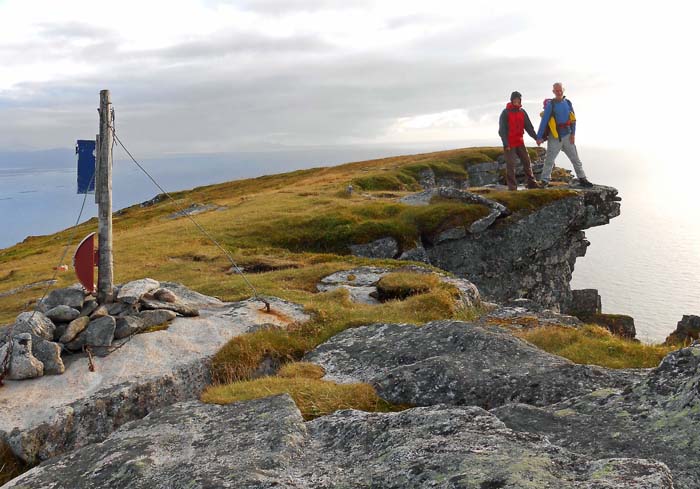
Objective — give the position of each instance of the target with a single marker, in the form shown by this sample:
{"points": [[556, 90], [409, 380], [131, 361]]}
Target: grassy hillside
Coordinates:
{"points": [[288, 231]]}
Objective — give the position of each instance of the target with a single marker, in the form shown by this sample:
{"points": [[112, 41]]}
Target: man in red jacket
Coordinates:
{"points": [[512, 124]]}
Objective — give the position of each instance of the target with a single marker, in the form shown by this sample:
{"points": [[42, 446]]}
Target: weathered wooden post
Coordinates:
{"points": [[103, 195]]}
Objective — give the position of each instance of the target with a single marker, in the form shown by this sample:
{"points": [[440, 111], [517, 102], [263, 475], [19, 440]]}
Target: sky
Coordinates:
{"points": [[208, 76]]}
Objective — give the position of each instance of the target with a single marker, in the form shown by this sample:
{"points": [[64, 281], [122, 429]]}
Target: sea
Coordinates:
{"points": [[645, 263]]}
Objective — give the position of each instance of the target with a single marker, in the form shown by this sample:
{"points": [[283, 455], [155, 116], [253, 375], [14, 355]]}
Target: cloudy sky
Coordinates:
{"points": [[214, 76]]}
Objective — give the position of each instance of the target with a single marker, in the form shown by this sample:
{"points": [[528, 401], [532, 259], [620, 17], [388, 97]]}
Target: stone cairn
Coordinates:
{"points": [[69, 321]]}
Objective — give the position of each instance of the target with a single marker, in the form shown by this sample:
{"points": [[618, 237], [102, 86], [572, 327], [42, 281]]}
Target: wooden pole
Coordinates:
{"points": [[105, 281]]}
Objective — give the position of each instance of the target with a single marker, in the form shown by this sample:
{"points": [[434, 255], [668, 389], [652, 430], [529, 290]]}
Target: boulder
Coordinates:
{"points": [[128, 325], [415, 254], [265, 443], [657, 417], [49, 354], [62, 314], [23, 364], [178, 307], [35, 323], [456, 363], [381, 248], [585, 301], [132, 291], [70, 296], [75, 327], [687, 330]]}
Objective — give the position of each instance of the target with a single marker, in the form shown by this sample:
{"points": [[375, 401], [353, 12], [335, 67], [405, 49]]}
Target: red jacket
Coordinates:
{"points": [[512, 124]]}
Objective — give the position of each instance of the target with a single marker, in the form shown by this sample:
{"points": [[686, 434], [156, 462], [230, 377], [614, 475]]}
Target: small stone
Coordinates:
{"points": [[98, 336], [177, 307], [128, 325], [165, 295], [62, 314], [156, 317], [35, 323], [89, 307], [75, 327], [133, 291], [23, 365], [116, 308], [100, 312]]}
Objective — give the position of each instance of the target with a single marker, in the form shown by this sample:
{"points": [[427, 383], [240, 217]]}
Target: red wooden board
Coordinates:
{"points": [[85, 261]]}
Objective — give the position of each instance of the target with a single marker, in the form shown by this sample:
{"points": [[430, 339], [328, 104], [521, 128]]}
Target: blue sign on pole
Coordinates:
{"points": [[86, 166]]}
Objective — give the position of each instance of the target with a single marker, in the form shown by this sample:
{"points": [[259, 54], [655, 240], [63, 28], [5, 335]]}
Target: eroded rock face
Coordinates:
{"points": [[381, 248], [265, 443], [456, 363], [532, 257], [687, 330], [658, 417]]}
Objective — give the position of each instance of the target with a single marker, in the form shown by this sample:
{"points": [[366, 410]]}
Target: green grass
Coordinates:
{"points": [[594, 345]]}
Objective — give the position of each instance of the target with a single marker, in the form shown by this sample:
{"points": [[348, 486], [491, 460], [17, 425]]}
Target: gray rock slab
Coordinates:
{"points": [[128, 325], [165, 295], [47, 416], [132, 291], [415, 254], [89, 307], [658, 417], [264, 443], [456, 363], [357, 277], [62, 313]]}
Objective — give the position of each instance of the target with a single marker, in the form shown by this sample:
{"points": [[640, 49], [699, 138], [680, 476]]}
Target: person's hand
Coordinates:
{"points": [[539, 142], [572, 139]]}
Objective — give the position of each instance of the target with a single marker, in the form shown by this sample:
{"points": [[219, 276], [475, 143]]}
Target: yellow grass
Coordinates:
{"points": [[595, 345]]}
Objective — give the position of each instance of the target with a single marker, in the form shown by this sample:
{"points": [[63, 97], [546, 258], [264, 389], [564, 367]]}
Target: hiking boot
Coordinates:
{"points": [[533, 184], [544, 184], [584, 183]]}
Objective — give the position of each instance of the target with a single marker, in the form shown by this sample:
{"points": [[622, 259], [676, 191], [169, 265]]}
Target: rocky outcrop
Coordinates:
{"points": [[456, 363], [48, 416], [381, 248], [531, 256], [361, 284], [687, 330], [265, 443], [658, 417]]}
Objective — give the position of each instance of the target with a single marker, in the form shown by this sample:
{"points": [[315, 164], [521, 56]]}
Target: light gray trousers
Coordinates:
{"points": [[554, 146]]}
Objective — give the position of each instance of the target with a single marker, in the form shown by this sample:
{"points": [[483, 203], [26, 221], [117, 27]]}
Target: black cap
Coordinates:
{"points": [[515, 94]]}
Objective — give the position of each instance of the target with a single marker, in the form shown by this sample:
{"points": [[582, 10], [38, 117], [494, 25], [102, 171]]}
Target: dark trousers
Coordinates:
{"points": [[521, 153]]}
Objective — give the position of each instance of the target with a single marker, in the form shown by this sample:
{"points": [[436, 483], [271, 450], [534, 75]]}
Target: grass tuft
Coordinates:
{"points": [[313, 397], [594, 345], [400, 285]]}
